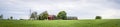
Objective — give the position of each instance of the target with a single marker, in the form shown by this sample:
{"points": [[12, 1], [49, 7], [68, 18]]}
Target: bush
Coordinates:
{"points": [[98, 17]]}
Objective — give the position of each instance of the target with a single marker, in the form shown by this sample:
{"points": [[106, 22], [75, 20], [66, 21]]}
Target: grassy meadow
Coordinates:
{"points": [[60, 23]]}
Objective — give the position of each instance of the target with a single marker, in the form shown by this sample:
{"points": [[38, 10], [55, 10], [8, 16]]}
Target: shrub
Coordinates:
{"points": [[98, 17]]}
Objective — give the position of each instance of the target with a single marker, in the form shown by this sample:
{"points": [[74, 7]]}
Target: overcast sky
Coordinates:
{"points": [[83, 9]]}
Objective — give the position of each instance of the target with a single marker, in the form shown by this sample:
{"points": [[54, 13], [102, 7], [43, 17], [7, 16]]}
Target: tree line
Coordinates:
{"points": [[1, 17], [44, 15]]}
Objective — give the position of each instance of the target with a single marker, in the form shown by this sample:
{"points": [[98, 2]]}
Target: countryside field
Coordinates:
{"points": [[60, 23]]}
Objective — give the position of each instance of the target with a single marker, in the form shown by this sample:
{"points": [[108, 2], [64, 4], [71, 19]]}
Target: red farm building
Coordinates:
{"points": [[51, 17]]}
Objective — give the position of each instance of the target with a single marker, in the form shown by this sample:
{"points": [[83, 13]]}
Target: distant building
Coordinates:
{"points": [[51, 17], [72, 18]]}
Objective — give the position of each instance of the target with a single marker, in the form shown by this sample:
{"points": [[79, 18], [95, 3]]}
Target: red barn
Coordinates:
{"points": [[51, 17]]}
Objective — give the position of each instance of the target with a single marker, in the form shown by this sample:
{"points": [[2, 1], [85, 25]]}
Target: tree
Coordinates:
{"points": [[1, 16], [11, 17], [33, 16], [98, 17], [43, 15], [40, 17], [62, 15]]}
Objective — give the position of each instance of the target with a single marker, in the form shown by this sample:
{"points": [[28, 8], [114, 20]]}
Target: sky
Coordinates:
{"points": [[83, 9]]}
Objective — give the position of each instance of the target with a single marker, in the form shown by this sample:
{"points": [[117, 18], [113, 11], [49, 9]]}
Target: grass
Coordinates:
{"points": [[60, 23]]}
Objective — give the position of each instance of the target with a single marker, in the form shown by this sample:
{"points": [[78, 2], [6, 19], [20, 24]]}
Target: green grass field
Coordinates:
{"points": [[60, 23]]}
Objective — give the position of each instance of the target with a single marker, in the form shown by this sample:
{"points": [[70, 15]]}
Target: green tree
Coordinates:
{"points": [[43, 15], [11, 17], [1, 16], [62, 15], [98, 17], [33, 16], [40, 17]]}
